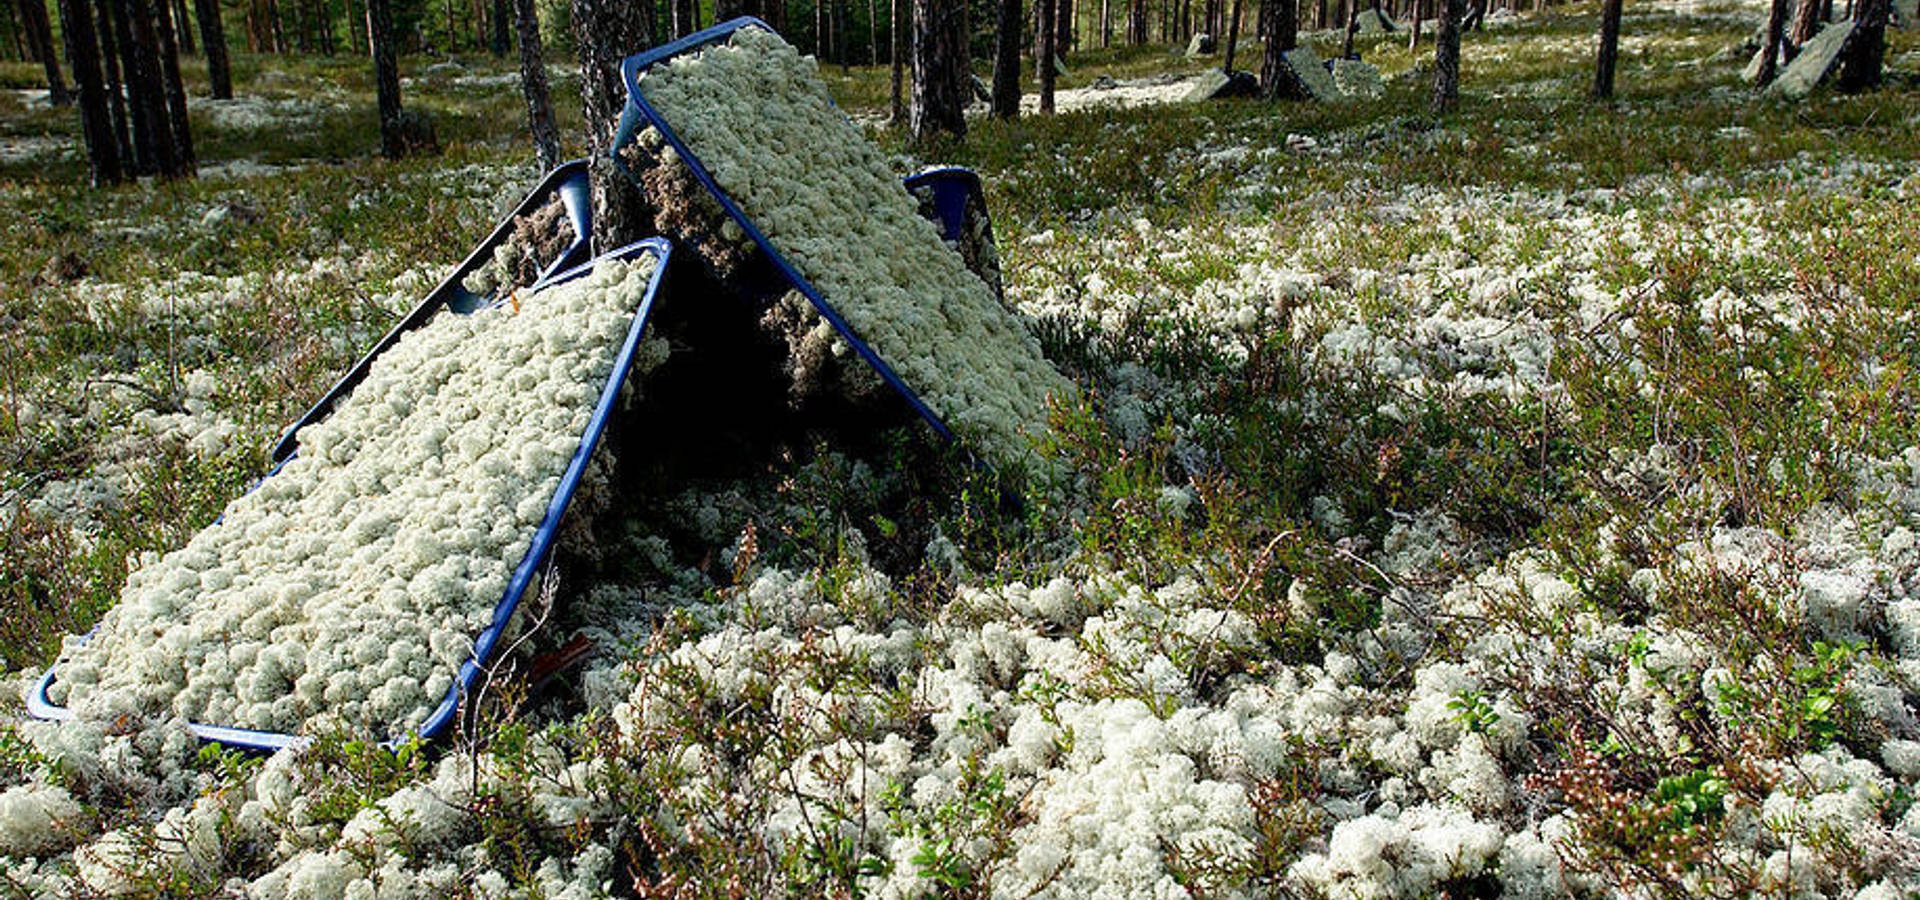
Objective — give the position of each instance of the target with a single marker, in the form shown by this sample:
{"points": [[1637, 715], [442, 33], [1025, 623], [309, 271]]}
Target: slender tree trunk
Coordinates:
{"points": [[1233, 38], [1320, 15], [1353, 25], [1866, 52], [820, 30], [1106, 24], [1770, 48], [897, 58], [1413, 39], [1446, 55], [533, 83], [606, 32], [136, 77], [1006, 59], [180, 136], [1609, 54], [356, 28], [1806, 22], [1282, 33], [105, 27], [96, 128], [34, 20], [213, 37], [1062, 28], [873, 33], [938, 99], [1049, 52], [840, 35], [279, 30], [386, 77], [15, 34]]}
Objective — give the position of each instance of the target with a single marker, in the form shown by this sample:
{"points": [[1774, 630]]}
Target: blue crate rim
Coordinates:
{"points": [[40, 706], [639, 107]]}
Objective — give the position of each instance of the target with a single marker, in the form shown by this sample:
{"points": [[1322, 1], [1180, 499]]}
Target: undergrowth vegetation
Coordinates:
{"points": [[1518, 503]]}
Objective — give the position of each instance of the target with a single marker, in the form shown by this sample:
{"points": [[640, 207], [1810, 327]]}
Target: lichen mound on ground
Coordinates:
{"points": [[757, 115], [346, 589]]}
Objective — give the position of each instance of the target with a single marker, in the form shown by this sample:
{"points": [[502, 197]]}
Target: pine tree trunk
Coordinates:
{"points": [[1233, 38], [1106, 23], [606, 32], [1006, 59], [1413, 39], [1608, 57], [105, 26], [1866, 51], [96, 128], [820, 30], [533, 83], [179, 135], [136, 75], [1806, 22], [1044, 59], [386, 77], [1770, 48], [873, 33], [34, 20], [1446, 55], [1282, 33], [939, 95], [14, 36], [897, 59], [1062, 28]]}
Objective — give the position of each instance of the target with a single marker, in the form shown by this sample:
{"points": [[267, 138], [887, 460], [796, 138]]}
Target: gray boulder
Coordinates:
{"points": [[1818, 59], [1201, 45]]}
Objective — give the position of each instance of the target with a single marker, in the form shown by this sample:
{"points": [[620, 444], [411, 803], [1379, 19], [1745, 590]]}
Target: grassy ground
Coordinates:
{"points": [[1545, 467]]}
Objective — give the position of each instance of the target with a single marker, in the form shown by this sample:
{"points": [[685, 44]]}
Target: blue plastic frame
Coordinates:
{"points": [[40, 706], [638, 109], [569, 180]]}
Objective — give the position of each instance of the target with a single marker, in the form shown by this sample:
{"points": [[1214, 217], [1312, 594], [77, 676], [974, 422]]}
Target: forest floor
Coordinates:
{"points": [[1518, 502]]}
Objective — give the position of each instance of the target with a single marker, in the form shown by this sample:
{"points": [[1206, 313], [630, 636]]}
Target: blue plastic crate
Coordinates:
{"points": [[639, 111], [40, 706]]}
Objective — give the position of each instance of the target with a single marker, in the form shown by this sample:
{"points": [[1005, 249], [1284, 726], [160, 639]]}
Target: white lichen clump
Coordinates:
{"points": [[347, 589], [755, 112]]}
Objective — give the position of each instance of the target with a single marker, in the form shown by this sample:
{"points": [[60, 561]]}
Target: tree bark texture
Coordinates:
{"points": [[1866, 52], [39, 30], [1608, 57], [533, 83], [1006, 59], [1233, 38], [1446, 55], [897, 60], [606, 32], [96, 127], [105, 26], [1770, 47], [1282, 34], [213, 38], [386, 77], [1049, 53], [938, 98], [180, 135]]}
